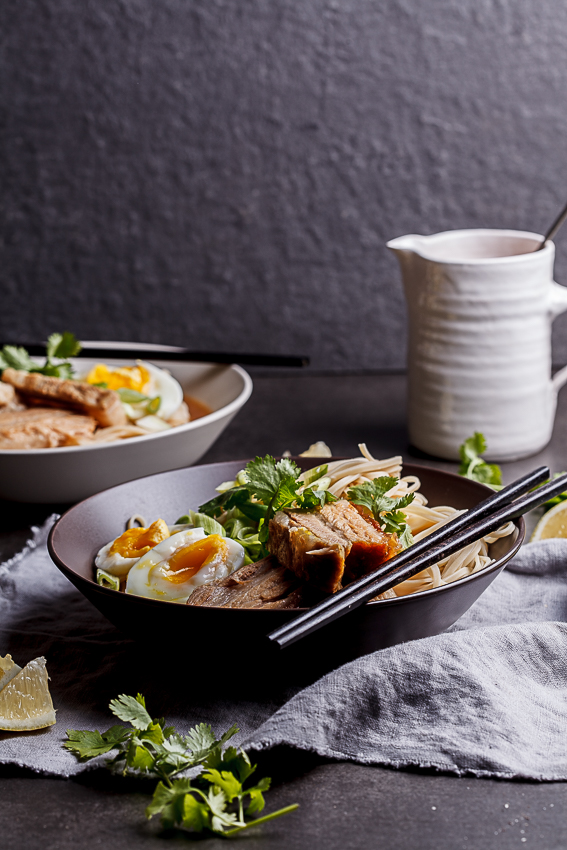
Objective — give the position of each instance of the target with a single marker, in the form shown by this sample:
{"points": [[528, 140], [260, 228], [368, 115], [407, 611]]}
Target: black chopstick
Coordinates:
{"points": [[464, 529], [182, 355]]}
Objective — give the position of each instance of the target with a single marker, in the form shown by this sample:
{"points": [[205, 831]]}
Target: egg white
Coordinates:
{"points": [[115, 563], [146, 577], [164, 385]]}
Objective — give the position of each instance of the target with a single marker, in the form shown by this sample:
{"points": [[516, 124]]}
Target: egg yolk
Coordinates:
{"points": [[188, 560], [135, 542], [127, 377]]}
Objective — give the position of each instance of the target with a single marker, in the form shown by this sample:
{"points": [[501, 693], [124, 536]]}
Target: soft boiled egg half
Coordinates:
{"points": [[176, 566], [119, 555], [144, 379]]}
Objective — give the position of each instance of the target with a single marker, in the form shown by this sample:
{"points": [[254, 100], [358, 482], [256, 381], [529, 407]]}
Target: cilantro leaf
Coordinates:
{"points": [[473, 447], [371, 493], [217, 800], [14, 357], [200, 740], [265, 476], [63, 345], [226, 780], [59, 346], [132, 710], [313, 498], [171, 756], [59, 370], [139, 757], [267, 486], [386, 511], [405, 536], [237, 497], [257, 801], [212, 800], [168, 801], [488, 473], [473, 466], [153, 733], [195, 816], [87, 745], [238, 762]]}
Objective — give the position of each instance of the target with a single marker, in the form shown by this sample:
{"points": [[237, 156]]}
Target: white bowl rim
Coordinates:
{"points": [[227, 410]]}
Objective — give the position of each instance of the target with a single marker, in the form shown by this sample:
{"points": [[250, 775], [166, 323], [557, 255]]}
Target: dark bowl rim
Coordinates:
{"points": [[498, 564]]}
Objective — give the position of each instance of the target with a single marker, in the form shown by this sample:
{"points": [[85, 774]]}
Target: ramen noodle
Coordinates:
{"points": [[421, 518]]}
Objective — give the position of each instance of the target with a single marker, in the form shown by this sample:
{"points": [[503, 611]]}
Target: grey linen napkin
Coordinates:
{"points": [[489, 697]]}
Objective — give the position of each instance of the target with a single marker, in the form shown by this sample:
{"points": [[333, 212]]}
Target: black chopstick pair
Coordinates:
{"points": [[484, 518], [182, 355]]}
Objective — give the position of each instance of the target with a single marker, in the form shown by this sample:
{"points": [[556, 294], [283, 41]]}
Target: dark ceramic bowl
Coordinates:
{"points": [[79, 534]]}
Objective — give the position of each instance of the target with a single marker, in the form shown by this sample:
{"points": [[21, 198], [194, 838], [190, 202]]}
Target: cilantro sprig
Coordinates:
{"points": [[59, 348], [214, 800], [386, 511], [473, 466], [268, 486]]}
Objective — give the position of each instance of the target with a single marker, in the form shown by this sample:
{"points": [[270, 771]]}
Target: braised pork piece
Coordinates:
{"points": [[101, 404], [311, 552], [329, 547], [265, 584], [8, 397], [42, 428]]}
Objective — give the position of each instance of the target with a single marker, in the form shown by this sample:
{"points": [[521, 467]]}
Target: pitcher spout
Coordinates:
{"points": [[409, 244], [407, 250]]}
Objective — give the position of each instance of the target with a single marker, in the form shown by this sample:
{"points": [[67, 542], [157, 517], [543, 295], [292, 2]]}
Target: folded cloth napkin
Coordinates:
{"points": [[489, 697]]}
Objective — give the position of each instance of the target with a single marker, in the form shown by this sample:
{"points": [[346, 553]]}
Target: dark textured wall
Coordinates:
{"points": [[224, 173]]}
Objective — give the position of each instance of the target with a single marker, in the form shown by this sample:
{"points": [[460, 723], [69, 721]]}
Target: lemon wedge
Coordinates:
{"points": [[25, 701], [552, 524]]}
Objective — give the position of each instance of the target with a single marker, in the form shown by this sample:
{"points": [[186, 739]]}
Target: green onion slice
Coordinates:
{"points": [[107, 580], [197, 520], [314, 474]]}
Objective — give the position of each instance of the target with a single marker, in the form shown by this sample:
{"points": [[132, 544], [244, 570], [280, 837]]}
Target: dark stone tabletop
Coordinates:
{"points": [[342, 805]]}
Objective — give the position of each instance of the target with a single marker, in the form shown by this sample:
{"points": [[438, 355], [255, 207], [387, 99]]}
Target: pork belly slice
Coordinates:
{"points": [[7, 394], [309, 548], [265, 584], [103, 405], [370, 546], [42, 428], [9, 398], [329, 547]]}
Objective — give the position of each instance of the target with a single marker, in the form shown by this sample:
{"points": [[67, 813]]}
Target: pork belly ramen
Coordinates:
{"points": [[39, 411], [279, 538]]}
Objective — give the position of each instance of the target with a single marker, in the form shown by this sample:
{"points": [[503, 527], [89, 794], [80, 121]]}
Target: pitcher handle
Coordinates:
{"points": [[557, 302]]}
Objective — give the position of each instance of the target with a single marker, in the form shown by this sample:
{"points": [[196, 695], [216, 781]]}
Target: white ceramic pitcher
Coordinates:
{"points": [[480, 304]]}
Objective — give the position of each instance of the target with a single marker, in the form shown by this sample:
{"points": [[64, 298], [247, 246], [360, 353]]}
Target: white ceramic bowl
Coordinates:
{"points": [[65, 475]]}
